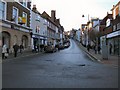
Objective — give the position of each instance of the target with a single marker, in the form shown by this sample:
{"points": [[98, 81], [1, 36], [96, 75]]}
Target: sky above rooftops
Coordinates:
{"points": [[70, 11]]}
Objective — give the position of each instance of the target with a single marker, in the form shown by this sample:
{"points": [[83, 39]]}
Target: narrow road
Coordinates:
{"points": [[68, 68]]}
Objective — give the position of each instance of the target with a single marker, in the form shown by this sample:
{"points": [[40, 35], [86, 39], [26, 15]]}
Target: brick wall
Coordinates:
{"points": [[21, 9]]}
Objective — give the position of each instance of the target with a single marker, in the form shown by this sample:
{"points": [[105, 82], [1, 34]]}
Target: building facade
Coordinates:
{"points": [[15, 23], [78, 35], [114, 37], [39, 28], [54, 28]]}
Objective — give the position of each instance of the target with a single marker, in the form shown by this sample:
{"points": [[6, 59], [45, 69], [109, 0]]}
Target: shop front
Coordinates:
{"points": [[113, 40]]}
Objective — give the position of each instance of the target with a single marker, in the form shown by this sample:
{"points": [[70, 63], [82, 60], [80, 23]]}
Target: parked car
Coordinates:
{"points": [[50, 48], [66, 45], [59, 46]]}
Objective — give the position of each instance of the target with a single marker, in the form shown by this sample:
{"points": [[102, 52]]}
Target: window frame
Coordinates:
{"points": [[5, 10], [16, 15], [26, 18], [24, 1]]}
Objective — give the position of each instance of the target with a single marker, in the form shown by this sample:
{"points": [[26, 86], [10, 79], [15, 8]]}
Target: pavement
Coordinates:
{"points": [[19, 55], [112, 59]]}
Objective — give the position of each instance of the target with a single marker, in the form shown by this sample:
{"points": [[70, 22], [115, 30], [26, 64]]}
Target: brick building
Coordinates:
{"points": [[114, 36], [110, 30], [54, 28], [15, 23]]}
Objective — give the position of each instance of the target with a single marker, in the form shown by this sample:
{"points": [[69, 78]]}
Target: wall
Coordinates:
{"points": [[19, 35], [21, 10]]}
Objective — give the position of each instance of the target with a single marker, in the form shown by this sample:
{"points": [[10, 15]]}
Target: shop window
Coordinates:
{"points": [[118, 26]]}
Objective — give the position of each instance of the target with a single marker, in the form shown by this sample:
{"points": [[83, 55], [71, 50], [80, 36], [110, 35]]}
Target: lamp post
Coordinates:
{"points": [[86, 37]]}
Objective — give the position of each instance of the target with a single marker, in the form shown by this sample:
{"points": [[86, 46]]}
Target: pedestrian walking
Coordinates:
{"points": [[95, 49], [99, 49], [4, 52], [16, 48], [88, 47], [21, 48], [36, 48]]}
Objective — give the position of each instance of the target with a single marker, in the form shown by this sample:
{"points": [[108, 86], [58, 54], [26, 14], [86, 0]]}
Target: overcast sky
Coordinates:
{"points": [[70, 11]]}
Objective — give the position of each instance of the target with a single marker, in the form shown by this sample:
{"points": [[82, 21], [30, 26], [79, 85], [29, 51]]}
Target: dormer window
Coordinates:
{"points": [[108, 22]]}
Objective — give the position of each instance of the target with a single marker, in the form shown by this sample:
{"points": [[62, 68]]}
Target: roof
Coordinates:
{"points": [[115, 5], [103, 22]]}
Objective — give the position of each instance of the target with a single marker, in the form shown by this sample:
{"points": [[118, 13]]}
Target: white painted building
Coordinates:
{"points": [[78, 35], [39, 28]]}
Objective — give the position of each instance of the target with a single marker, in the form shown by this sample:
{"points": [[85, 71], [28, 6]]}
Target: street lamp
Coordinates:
{"points": [[84, 16], [86, 33]]}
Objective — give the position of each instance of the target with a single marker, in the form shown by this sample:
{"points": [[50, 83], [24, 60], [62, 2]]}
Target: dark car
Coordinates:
{"points": [[50, 48], [59, 46]]}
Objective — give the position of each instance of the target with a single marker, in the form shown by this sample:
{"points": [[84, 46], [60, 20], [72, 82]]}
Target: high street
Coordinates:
{"points": [[68, 68]]}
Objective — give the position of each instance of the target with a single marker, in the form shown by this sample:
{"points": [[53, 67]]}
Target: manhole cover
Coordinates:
{"points": [[48, 60], [81, 65]]}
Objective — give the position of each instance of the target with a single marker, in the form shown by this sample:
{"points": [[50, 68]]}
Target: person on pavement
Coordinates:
{"points": [[95, 49], [99, 48], [4, 52], [88, 47], [15, 47]]}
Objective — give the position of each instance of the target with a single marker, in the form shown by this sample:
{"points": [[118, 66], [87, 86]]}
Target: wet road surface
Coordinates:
{"points": [[68, 68]]}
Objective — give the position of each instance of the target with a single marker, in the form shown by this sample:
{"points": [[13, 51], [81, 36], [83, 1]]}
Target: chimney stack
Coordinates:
{"points": [[34, 9], [53, 15]]}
